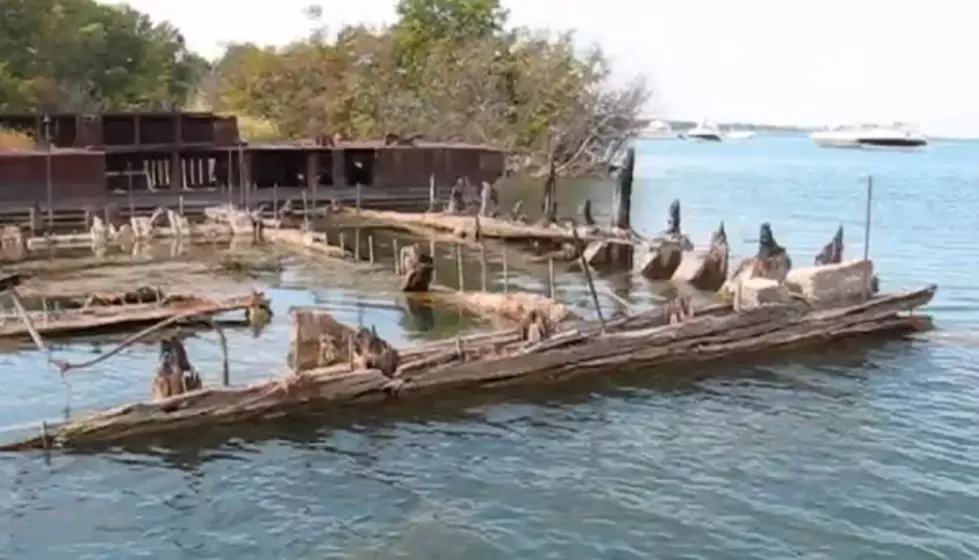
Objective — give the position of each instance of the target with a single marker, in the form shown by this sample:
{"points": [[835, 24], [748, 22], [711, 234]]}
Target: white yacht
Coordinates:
{"points": [[869, 136], [706, 130], [658, 130], [734, 134]]}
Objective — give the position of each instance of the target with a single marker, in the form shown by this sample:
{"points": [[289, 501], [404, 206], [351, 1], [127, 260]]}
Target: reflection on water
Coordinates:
{"points": [[853, 451]]}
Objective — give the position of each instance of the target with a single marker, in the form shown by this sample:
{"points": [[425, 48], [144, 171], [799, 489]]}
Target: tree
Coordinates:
{"points": [[80, 55], [447, 70], [424, 25]]}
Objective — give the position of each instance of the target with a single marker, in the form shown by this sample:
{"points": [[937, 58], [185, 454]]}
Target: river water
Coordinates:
{"points": [[854, 452]]}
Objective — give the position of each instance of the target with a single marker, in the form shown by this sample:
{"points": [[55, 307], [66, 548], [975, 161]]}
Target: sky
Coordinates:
{"points": [[799, 62]]}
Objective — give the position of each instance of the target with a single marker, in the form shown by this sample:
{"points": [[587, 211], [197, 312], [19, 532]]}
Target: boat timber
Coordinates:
{"points": [[647, 340], [464, 226], [106, 317]]}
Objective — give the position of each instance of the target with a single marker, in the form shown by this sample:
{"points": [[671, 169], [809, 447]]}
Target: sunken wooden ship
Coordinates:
{"points": [[765, 305]]}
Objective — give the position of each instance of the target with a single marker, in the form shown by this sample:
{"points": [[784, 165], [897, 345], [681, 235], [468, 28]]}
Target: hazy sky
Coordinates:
{"points": [[775, 61]]}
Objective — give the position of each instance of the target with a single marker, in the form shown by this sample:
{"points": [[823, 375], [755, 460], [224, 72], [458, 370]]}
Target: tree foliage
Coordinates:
{"points": [[80, 55], [446, 70]]}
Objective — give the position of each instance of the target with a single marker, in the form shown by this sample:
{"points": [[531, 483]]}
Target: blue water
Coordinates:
{"points": [[854, 452]]}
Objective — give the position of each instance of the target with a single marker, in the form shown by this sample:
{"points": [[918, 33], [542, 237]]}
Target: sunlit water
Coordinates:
{"points": [[855, 452]]}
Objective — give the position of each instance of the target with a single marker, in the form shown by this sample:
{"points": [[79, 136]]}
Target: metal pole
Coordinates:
{"points": [[866, 224], [47, 172]]}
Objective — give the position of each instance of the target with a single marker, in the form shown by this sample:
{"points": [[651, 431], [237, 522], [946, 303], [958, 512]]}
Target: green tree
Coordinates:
{"points": [[85, 56], [425, 25]]}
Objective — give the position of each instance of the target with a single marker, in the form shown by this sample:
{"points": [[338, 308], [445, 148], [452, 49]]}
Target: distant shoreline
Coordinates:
{"points": [[680, 126]]}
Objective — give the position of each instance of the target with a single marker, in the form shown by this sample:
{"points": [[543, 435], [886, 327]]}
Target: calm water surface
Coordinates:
{"points": [[859, 452]]}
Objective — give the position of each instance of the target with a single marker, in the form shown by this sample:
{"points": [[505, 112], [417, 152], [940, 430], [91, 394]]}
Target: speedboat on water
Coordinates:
{"points": [[706, 130], [739, 134], [658, 130], [869, 136]]}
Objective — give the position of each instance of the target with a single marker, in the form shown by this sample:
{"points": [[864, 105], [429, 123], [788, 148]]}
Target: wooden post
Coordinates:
{"points": [[180, 205], [431, 253], [129, 188], [549, 204], [483, 268], [551, 289], [275, 200], [866, 223], [176, 172], [244, 172], [295, 341], [462, 276], [622, 210], [357, 244], [306, 214], [431, 193], [397, 256], [312, 171], [358, 187], [506, 271], [370, 248], [343, 241], [47, 172], [32, 219], [584, 266]]}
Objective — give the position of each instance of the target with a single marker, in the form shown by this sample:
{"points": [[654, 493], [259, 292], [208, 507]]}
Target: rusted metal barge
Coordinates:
{"points": [[145, 160]]}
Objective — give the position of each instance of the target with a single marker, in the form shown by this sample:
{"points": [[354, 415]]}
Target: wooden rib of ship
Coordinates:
{"points": [[106, 312], [769, 306]]}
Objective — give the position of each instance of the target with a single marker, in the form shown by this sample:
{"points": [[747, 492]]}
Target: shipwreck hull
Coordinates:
{"points": [[648, 340], [102, 318]]}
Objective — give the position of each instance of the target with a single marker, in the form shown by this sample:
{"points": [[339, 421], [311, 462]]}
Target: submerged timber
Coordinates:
{"points": [[676, 334], [101, 312]]}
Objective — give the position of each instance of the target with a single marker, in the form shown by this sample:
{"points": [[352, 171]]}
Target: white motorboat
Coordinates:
{"points": [[869, 136], [739, 134], [658, 130], [706, 130]]}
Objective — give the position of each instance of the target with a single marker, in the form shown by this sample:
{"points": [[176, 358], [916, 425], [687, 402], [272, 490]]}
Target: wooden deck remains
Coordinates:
{"points": [[647, 340], [101, 312]]}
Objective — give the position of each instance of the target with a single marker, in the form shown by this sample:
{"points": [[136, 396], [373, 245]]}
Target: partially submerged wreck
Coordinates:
{"points": [[810, 306], [115, 311]]}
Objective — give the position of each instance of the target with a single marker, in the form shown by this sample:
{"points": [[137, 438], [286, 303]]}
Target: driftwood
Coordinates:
{"points": [[95, 317], [309, 242], [456, 204], [706, 270], [318, 340], [548, 205], [491, 228], [418, 269], [488, 200], [771, 262], [584, 212], [832, 252], [176, 375], [370, 351], [665, 252], [648, 340]]}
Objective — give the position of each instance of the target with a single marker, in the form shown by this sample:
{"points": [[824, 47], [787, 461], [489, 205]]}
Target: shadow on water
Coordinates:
{"points": [[837, 375]]}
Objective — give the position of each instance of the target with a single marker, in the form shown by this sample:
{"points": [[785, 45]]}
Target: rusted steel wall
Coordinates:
{"points": [[414, 165], [74, 175], [89, 131], [197, 128], [226, 131], [157, 129], [121, 130]]}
